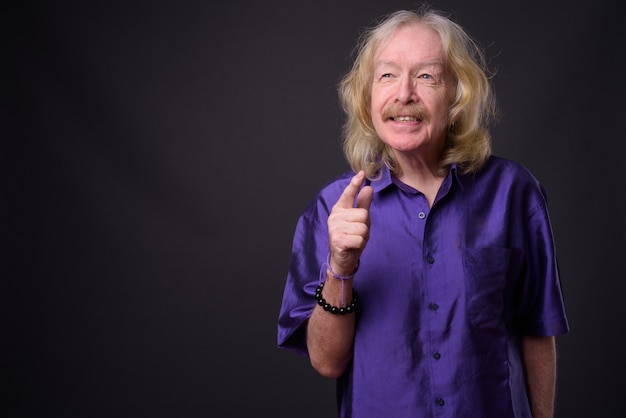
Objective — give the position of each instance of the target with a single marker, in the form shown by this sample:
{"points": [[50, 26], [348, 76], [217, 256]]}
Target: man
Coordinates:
{"points": [[425, 281]]}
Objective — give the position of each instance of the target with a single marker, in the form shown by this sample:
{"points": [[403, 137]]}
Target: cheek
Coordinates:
{"points": [[439, 105], [379, 95], [374, 100], [376, 108]]}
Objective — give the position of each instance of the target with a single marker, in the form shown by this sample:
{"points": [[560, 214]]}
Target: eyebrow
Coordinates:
{"points": [[429, 63]]}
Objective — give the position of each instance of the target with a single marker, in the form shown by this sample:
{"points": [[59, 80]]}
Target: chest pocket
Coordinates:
{"points": [[486, 273]]}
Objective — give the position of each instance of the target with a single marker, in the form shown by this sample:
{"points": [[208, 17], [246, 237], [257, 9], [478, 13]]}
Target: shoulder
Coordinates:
{"points": [[508, 173], [507, 169], [507, 179]]}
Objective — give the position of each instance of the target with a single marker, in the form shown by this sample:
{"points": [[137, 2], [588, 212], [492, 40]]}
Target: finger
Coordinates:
{"points": [[364, 198], [346, 200]]}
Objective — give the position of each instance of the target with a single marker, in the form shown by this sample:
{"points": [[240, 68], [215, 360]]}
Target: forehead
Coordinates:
{"points": [[411, 42]]}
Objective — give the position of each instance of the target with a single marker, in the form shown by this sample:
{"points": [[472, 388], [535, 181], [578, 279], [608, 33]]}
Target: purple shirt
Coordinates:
{"points": [[446, 293]]}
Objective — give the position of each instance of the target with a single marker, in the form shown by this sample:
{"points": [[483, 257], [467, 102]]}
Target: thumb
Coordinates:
{"points": [[364, 198]]}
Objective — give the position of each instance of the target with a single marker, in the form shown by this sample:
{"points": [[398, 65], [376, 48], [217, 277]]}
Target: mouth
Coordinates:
{"points": [[411, 113], [405, 119]]}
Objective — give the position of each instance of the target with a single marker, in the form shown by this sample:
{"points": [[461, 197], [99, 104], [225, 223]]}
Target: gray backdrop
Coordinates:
{"points": [[156, 156]]}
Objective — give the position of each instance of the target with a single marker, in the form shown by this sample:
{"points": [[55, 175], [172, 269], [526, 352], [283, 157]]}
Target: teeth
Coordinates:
{"points": [[405, 119]]}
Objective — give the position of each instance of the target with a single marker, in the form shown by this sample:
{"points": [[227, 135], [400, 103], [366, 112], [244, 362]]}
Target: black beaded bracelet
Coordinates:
{"points": [[352, 307]]}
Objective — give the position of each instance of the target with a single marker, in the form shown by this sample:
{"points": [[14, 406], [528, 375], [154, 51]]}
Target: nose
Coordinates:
{"points": [[407, 92]]}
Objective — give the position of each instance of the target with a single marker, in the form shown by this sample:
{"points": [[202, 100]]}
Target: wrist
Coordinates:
{"points": [[341, 309], [339, 274]]}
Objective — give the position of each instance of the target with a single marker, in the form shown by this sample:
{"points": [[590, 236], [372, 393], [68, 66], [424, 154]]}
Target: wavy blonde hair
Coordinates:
{"points": [[468, 142]]}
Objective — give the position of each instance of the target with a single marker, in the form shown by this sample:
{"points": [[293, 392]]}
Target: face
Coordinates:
{"points": [[411, 91]]}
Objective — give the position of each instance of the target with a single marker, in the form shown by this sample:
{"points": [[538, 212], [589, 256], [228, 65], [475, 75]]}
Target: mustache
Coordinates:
{"points": [[415, 110]]}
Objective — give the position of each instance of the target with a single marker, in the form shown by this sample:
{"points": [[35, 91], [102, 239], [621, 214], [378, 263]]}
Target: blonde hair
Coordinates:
{"points": [[468, 143]]}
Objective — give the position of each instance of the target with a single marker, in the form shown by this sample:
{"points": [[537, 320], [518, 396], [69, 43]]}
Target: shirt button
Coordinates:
{"points": [[440, 402], [433, 306], [437, 356], [430, 259], [421, 215]]}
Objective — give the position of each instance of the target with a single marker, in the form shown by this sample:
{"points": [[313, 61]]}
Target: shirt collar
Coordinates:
{"points": [[385, 180], [455, 175]]}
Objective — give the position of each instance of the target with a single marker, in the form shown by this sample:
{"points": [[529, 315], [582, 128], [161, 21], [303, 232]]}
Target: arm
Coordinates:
{"points": [[330, 337], [539, 354]]}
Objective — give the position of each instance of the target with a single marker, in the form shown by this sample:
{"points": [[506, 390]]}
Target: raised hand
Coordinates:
{"points": [[349, 225]]}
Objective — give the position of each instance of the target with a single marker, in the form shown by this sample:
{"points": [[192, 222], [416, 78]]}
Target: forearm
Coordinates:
{"points": [[540, 363], [330, 337]]}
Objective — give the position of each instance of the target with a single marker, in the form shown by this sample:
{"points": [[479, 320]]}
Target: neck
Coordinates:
{"points": [[422, 175]]}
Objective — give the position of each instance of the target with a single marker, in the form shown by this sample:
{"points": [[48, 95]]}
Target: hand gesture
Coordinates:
{"points": [[349, 225]]}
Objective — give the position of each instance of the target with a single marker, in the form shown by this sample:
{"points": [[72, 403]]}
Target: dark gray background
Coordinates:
{"points": [[156, 156]]}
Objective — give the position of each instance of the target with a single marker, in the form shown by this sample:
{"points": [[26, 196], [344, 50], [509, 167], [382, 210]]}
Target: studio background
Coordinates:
{"points": [[156, 156]]}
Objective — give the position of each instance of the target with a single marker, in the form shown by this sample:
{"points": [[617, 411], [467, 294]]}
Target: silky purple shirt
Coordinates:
{"points": [[446, 293]]}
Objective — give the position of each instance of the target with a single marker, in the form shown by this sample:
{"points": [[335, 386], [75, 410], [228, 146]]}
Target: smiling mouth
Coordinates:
{"points": [[405, 119], [409, 113]]}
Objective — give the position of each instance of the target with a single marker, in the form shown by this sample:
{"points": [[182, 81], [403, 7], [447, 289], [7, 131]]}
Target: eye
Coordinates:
{"points": [[427, 78], [386, 75]]}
